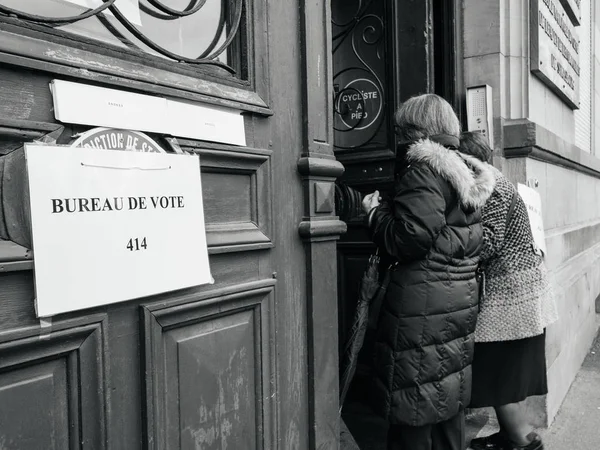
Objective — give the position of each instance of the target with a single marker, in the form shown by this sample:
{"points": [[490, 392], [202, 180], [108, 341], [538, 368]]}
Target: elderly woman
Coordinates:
{"points": [[431, 227], [516, 307]]}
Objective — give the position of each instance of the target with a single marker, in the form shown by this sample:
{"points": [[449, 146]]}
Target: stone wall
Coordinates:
{"points": [[596, 78], [571, 219], [543, 142]]}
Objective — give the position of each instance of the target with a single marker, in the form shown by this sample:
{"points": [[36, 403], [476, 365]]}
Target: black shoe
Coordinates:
{"points": [[495, 441], [534, 444]]}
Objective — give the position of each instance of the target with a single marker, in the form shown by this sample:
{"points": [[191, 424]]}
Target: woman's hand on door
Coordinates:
{"points": [[371, 201]]}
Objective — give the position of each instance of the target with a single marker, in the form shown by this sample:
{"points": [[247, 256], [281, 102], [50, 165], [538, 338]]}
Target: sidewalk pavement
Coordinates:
{"points": [[575, 427], [577, 424]]}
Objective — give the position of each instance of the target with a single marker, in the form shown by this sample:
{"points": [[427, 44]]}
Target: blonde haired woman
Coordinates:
{"points": [[431, 227]]}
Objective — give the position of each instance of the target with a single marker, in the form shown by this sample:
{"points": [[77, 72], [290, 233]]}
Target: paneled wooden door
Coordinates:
{"points": [[247, 363], [192, 369]]}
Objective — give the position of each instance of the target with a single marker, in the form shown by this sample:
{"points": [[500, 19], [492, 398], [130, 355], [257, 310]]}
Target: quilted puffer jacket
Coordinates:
{"points": [[424, 339]]}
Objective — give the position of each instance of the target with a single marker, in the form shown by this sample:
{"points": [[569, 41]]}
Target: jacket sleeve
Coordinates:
{"points": [[493, 218], [407, 226]]}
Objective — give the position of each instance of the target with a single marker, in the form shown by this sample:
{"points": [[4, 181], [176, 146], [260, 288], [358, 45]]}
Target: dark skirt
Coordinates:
{"points": [[509, 371]]}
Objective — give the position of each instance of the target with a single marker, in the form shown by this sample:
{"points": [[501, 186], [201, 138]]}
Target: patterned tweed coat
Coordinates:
{"points": [[518, 300]]}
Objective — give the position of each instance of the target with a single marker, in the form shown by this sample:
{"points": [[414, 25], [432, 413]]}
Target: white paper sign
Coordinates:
{"points": [[113, 108], [110, 226], [209, 124], [533, 202], [92, 105]]}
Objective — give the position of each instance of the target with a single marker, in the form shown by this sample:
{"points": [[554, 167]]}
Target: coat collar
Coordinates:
{"points": [[448, 141], [473, 180]]}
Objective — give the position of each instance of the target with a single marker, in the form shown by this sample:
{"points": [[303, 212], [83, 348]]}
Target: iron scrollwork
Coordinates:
{"points": [[359, 73], [231, 14]]}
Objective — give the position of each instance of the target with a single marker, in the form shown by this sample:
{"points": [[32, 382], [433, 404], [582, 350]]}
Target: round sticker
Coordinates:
{"points": [[117, 139], [359, 104]]}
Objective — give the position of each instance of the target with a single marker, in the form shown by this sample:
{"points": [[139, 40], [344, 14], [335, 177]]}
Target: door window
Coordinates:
{"points": [[191, 31], [360, 79]]}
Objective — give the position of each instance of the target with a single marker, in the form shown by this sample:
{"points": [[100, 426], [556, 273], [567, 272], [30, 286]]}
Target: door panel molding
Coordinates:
{"points": [[226, 340], [22, 130], [66, 367], [237, 200]]}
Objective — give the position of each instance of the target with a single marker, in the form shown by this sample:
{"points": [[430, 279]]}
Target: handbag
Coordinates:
{"points": [[377, 301]]}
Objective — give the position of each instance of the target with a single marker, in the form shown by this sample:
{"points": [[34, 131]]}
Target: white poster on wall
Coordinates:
{"points": [[533, 202], [110, 226]]}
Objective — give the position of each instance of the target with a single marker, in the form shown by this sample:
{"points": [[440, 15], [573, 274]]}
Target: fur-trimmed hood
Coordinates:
{"points": [[473, 179]]}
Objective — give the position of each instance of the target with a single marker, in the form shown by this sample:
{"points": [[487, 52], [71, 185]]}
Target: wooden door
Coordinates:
{"points": [[247, 363]]}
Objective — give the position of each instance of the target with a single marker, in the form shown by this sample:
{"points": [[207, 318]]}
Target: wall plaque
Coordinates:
{"points": [[129, 8], [573, 9], [555, 49]]}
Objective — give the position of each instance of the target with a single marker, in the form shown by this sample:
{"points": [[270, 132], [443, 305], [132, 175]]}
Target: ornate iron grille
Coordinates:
{"points": [[359, 64], [230, 21]]}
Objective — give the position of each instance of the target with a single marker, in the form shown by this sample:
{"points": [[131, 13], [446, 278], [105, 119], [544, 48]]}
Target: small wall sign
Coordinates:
{"points": [[533, 202], [116, 139]]}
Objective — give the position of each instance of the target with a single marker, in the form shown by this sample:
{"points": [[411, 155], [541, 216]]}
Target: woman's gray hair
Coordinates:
{"points": [[426, 115]]}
